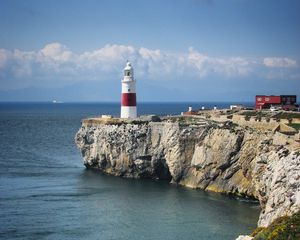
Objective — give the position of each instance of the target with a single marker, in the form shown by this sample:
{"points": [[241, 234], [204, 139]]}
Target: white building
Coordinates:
{"points": [[128, 102]]}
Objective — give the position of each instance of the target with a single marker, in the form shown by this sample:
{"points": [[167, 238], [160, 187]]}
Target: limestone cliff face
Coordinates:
{"points": [[217, 157]]}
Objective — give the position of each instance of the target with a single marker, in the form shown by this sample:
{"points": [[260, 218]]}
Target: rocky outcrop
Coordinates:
{"points": [[219, 157], [244, 237]]}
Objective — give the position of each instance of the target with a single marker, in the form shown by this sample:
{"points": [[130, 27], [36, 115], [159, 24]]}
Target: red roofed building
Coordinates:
{"points": [[286, 102]]}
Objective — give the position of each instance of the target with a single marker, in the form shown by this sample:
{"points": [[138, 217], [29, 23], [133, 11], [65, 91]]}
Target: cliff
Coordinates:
{"points": [[198, 153]]}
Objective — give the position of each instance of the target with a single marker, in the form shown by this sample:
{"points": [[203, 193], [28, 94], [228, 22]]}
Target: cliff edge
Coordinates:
{"points": [[198, 153]]}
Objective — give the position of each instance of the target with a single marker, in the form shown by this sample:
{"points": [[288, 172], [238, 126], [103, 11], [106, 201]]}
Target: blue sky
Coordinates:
{"points": [[192, 50]]}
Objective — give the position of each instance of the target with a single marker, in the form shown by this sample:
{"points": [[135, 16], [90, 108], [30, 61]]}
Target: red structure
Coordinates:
{"points": [[128, 99], [286, 102]]}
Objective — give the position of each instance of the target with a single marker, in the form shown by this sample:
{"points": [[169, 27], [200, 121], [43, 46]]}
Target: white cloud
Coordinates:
{"points": [[4, 56], [277, 62], [105, 60], [55, 51], [228, 67], [56, 61]]}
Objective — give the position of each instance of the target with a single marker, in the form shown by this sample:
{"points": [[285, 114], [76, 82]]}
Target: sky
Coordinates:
{"points": [[181, 50]]}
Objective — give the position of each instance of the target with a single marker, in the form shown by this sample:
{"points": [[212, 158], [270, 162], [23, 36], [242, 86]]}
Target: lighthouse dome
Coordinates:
{"points": [[128, 66], [128, 70]]}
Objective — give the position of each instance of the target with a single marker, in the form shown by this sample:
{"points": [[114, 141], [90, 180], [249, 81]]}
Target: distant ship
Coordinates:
{"points": [[55, 101]]}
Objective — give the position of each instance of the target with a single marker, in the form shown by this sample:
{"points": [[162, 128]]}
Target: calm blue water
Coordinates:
{"points": [[46, 193]]}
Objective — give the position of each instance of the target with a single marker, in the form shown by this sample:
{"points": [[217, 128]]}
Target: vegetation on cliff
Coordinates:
{"points": [[283, 228]]}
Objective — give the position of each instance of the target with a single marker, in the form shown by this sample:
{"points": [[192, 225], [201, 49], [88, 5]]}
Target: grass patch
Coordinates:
{"points": [[250, 113], [283, 228], [287, 115], [295, 125]]}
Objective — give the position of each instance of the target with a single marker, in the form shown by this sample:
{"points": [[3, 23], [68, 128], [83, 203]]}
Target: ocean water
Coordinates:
{"points": [[46, 193]]}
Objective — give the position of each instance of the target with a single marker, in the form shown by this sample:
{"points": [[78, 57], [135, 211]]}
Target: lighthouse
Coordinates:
{"points": [[128, 102]]}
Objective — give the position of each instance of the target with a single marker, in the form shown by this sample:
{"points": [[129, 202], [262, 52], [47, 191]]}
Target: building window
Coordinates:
{"points": [[259, 99], [267, 99]]}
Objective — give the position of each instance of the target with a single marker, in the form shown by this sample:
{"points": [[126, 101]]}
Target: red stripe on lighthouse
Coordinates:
{"points": [[129, 99]]}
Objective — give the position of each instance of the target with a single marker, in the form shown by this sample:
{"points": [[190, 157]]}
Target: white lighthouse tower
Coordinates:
{"points": [[128, 103]]}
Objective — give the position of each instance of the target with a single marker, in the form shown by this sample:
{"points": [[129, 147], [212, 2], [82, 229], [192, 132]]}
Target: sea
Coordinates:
{"points": [[46, 192]]}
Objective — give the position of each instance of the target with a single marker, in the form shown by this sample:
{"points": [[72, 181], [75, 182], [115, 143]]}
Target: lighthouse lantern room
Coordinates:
{"points": [[128, 102]]}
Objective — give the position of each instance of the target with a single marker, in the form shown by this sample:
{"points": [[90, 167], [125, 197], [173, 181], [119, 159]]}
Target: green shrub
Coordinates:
{"points": [[283, 228], [295, 125]]}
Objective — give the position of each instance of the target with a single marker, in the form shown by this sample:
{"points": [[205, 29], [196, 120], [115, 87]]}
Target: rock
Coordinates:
{"points": [[282, 187], [150, 118], [212, 157], [244, 237]]}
